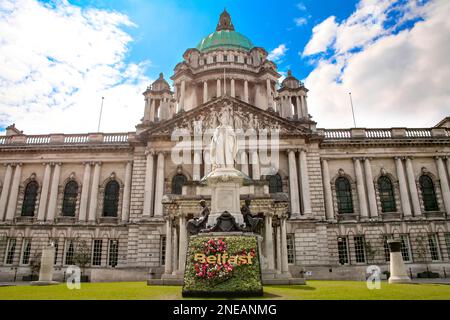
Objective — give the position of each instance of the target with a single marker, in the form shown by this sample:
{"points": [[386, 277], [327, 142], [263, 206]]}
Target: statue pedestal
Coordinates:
{"points": [[225, 184], [47, 267], [397, 266]]}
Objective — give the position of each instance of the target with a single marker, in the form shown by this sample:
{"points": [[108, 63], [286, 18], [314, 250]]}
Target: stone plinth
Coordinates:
{"points": [[47, 269], [225, 184], [397, 266]]}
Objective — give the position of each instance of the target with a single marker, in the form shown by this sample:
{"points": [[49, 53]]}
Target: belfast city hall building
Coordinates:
{"points": [[330, 198]]}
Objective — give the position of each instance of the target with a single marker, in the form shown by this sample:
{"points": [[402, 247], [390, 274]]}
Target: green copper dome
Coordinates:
{"points": [[226, 39]]}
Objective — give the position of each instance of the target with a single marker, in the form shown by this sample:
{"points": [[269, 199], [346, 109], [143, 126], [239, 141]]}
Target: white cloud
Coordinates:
{"points": [[278, 53], [301, 21], [323, 35], [301, 6], [58, 60], [396, 78]]}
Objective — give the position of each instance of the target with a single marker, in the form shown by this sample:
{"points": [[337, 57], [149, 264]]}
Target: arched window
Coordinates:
{"points": [[70, 199], [428, 193], [177, 183], [344, 195], [29, 200], [111, 200], [386, 192], [275, 183]]}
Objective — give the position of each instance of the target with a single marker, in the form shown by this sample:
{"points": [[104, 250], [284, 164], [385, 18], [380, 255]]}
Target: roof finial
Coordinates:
{"points": [[225, 21]]}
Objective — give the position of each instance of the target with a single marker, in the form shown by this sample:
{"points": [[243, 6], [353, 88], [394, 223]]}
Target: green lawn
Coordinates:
{"points": [[348, 290]]}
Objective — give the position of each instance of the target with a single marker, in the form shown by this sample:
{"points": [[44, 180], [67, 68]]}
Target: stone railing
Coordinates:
{"points": [[392, 133], [67, 139]]}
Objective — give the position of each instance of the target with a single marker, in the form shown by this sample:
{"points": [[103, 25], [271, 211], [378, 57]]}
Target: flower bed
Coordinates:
{"points": [[222, 266]]}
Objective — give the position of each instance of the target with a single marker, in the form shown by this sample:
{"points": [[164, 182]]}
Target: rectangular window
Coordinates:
{"points": [[10, 250], [290, 248], [55, 244], [434, 247], [343, 250], [405, 248], [163, 250], [360, 251], [447, 243], [69, 252], [97, 252], [387, 252], [225, 58], [26, 250], [113, 254]]}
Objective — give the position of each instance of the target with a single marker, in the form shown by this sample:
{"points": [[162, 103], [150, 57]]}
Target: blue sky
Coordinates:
{"points": [[165, 29], [60, 57]]}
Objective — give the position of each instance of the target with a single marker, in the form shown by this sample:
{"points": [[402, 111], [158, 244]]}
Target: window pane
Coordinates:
{"points": [[163, 250], [428, 194], [111, 200], [69, 252], [26, 251], [290, 248], [387, 252], [342, 250], [97, 253], [360, 252], [275, 183], [433, 246], [55, 244], [11, 249], [405, 249], [113, 253], [447, 244], [70, 199], [386, 193], [29, 200], [344, 195]]}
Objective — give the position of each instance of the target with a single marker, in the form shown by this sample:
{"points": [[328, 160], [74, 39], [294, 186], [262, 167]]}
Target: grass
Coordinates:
{"points": [[329, 290]]}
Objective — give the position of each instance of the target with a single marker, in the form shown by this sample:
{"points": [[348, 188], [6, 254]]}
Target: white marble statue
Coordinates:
{"points": [[223, 147]]}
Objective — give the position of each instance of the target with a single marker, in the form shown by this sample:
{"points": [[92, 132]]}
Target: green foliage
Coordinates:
{"points": [[244, 279], [82, 254], [370, 250], [421, 248]]}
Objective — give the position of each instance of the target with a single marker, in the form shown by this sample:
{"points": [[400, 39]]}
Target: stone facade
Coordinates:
{"points": [[311, 223]]}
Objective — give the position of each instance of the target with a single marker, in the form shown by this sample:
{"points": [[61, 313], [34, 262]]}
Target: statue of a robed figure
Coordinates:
{"points": [[223, 148], [194, 226]]}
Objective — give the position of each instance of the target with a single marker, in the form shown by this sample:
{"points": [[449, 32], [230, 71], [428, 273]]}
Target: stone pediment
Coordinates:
{"points": [[244, 115]]}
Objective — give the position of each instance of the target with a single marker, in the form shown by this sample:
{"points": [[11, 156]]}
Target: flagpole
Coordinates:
{"points": [[353, 111], [100, 116]]}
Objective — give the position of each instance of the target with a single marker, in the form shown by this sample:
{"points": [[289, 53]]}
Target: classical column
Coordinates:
{"points": [[196, 165], [207, 162], [304, 178], [127, 192], [268, 92], [44, 192], [360, 188], [244, 162], [85, 192], [403, 189], [182, 95], [444, 183], [12, 203], [304, 107], [219, 93], [232, 92], [293, 184], [205, 91], [159, 187], [256, 173], [284, 258], [152, 110], [329, 209], [412, 187], [183, 243], [52, 202], [147, 110], [175, 250], [299, 107], [268, 240], [94, 192], [246, 91], [373, 209], [148, 185], [5, 191], [279, 258], [168, 258]]}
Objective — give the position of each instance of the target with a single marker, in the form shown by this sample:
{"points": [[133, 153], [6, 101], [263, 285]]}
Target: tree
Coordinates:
{"points": [[370, 251], [35, 263], [82, 254], [421, 248]]}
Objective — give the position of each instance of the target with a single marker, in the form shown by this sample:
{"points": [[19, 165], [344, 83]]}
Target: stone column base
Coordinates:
{"points": [[399, 279], [43, 283]]}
